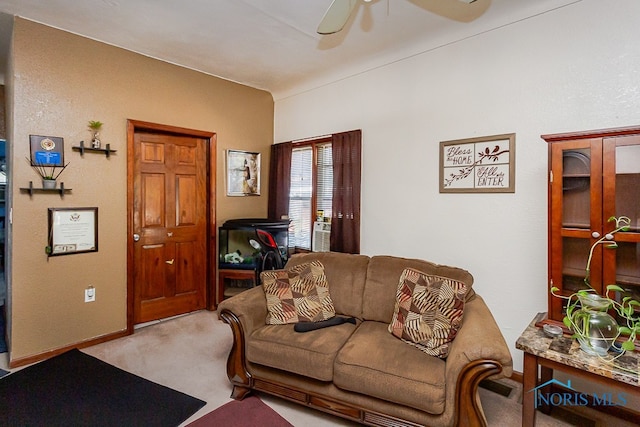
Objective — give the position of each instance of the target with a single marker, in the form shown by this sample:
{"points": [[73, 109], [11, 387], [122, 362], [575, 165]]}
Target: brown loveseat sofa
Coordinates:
{"points": [[362, 372]]}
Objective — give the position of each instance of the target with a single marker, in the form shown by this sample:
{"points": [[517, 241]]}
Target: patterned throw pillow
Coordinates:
{"points": [[428, 311], [298, 294]]}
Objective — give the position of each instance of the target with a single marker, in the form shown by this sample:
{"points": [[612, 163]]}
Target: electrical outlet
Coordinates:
{"points": [[90, 294]]}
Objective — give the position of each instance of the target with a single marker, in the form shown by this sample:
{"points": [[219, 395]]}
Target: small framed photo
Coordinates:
{"points": [[46, 150], [478, 165], [72, 230], [243, 173]]}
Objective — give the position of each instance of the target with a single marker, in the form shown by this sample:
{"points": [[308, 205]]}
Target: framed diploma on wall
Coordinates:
{"points": [[72, 231]]}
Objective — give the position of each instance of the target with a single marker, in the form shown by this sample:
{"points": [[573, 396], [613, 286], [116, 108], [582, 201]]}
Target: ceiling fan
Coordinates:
{"points": [[338, 14]]}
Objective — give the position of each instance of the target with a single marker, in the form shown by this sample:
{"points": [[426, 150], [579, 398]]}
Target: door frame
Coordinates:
{"points": [[134, 126]]}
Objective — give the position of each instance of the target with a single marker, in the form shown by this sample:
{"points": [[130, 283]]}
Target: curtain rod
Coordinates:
{"points": [[295, 141]]}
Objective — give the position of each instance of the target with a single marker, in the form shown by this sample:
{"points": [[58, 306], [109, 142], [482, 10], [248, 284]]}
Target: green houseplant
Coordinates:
{"points": [[95, 127], [48, 173], [587, 312]]}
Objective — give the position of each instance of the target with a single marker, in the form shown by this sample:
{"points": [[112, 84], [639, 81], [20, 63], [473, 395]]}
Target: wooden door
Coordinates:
{"points": [[169, 224]]}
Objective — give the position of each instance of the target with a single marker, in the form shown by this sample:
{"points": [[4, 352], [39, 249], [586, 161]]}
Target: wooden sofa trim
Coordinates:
{"points": [[468, 409]]}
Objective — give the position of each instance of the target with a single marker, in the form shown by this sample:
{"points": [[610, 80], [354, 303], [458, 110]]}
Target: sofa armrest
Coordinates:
{"points": [[249, 306], [479, 351], [244, 313]]}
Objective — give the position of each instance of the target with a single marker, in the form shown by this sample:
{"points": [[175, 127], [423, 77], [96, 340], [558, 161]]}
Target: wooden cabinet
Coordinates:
{"points": [[593, 176], [233, 281]]}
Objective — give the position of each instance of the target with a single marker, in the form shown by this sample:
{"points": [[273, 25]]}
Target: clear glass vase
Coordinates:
{"points": [[596, 329]]}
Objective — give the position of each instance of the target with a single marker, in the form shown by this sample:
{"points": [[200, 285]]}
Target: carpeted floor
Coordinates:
{"points": [[189, 354], [197, 345]]}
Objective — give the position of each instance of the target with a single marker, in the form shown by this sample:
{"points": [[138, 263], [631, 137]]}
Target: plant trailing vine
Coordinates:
{"points": [[625, 307]]}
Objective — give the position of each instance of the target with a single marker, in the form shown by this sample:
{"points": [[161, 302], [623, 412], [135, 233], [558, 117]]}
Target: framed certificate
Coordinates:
{"points": [[72, 231]]}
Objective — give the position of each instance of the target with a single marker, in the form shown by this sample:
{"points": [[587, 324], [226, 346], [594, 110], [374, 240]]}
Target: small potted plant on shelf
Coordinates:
{"points": [[95, 127], [48, 173], [587, 312]]}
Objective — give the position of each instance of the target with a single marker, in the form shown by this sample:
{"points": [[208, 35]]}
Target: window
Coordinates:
{"points": [[311, 189]]}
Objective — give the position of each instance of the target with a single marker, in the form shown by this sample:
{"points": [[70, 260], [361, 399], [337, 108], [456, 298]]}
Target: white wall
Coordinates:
{"points": [[575, 68]]}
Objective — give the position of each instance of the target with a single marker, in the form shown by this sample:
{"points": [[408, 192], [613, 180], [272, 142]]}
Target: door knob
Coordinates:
{"points": [[136, 237], [170, 262], [595, 235]]}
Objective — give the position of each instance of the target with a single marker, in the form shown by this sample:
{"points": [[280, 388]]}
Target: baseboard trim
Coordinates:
{"points": [[15, 363], [516, 376]]}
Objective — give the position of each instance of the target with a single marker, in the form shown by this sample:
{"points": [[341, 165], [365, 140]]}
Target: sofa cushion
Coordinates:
{"points": [[310, 354], [375, 363], [346, 274], [383, 275], [297, 294], [428, 312]]}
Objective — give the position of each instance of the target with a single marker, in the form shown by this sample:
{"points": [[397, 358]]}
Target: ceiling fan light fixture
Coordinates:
{"points": [[339, 12], [336, 16]]}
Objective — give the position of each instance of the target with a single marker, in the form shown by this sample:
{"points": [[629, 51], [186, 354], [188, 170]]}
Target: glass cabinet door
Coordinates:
{"points": [[576, 216], [575, 170], [622, 198]]}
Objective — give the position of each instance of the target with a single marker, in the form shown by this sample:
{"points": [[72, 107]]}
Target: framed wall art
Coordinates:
{"points": [[46, 150], [72, 231], [243, 173], [478, 165]]}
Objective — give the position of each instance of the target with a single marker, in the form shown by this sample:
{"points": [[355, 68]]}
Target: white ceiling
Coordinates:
{"points": [[273, 44]]}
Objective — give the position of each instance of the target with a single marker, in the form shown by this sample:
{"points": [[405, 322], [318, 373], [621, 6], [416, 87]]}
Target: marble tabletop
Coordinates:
{"points": [[566, 350]]}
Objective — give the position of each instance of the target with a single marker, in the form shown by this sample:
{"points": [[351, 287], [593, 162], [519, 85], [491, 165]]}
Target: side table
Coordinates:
{"points": [[564, 354], [248, 277]]}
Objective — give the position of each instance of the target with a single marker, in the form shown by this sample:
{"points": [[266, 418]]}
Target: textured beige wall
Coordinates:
{"points": [[61, 81]]}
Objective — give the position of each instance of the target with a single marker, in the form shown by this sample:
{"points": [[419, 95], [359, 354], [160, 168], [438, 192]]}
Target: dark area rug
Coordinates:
{"points": [[250, 412], [75, 389]]}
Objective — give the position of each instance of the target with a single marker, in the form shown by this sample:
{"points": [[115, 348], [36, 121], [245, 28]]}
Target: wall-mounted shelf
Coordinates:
{"points": [[31, 190], [82, 149]]}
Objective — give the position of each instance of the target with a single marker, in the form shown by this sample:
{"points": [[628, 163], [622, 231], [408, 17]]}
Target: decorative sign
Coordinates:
{"points": [[243, 173], [46, 150], [478, 165], [72, 230]]}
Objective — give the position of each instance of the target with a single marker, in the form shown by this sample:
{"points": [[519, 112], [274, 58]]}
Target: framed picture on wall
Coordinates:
{"points": [[478, 165], [243, 173], [72, 231], [46, 150]]}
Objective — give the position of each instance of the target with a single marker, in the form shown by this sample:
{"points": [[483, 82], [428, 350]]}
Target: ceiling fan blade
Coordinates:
{"points": [[336, 16]]}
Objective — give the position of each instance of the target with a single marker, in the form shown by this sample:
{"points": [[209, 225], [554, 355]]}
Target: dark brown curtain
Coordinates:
{"points": [[279, 180], [345, 222]]}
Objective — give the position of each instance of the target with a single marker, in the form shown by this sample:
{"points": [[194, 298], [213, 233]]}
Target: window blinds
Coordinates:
{"points": [[300, 196], [311, 191]]}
